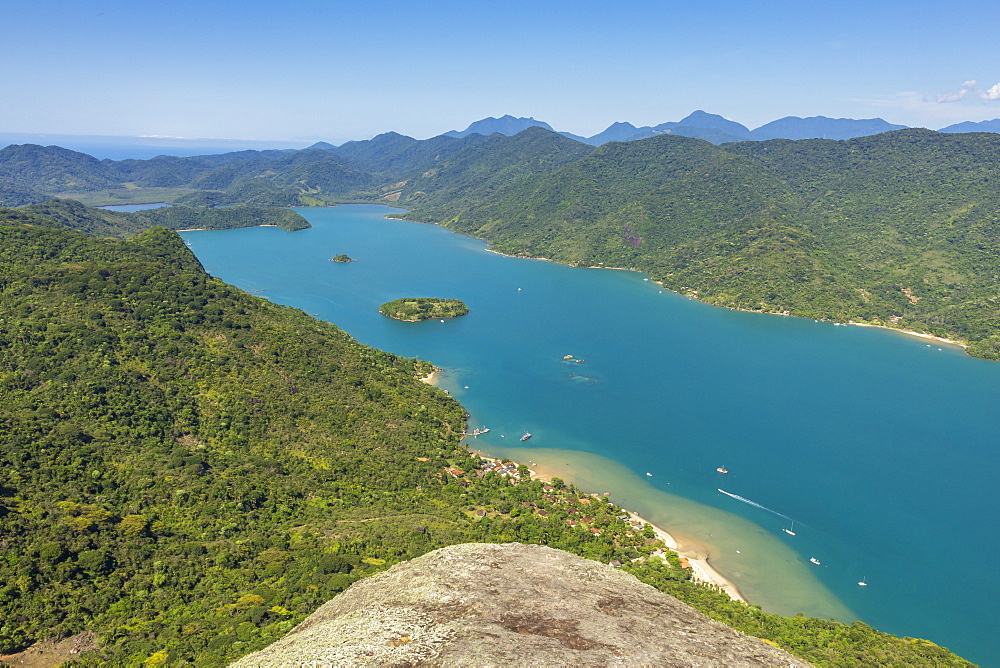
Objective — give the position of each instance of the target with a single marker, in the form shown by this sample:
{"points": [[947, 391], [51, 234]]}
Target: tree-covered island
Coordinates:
{"points": [[343, 257], [413, 309]]}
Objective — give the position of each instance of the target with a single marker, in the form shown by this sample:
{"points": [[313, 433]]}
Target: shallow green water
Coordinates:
{"points": [[882, 449]]}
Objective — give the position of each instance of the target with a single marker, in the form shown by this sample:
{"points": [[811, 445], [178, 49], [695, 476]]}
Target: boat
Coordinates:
{"points": [[526, 436], [789, 530], [863, 583], [814, 560], [722, 469], [649, 474]]}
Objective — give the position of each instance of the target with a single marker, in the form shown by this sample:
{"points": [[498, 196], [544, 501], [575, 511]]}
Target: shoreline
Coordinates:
{"points": [[701, 570], [432, 377], [908, 332], [523, 257]]}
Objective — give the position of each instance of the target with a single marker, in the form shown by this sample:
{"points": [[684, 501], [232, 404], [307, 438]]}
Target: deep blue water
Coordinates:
{"points": [[880, 447]]}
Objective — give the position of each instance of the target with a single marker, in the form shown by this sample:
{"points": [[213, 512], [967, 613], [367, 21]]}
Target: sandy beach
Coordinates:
{"points": [[694, 554], [432, 377], [908, 332], [701, 570]]}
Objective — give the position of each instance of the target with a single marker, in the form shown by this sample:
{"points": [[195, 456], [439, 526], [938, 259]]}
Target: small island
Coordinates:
{"points": [[413, 309], [342, 258]]}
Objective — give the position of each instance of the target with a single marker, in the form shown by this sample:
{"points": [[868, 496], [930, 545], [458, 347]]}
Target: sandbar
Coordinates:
{"points": [[691, 551]]}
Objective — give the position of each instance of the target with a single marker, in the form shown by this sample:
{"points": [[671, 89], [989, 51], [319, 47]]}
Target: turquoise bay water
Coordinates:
{"points": [[881, 448]]}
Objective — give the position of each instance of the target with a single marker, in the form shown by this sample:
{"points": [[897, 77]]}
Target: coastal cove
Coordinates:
{"points": [[879, 447]]}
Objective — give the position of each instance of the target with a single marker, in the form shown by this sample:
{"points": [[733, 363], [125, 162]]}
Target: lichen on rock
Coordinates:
{"points": [[510, 605]]}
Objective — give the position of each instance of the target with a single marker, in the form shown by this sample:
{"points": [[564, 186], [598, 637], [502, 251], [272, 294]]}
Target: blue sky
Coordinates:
{"points": [[306, 70]]}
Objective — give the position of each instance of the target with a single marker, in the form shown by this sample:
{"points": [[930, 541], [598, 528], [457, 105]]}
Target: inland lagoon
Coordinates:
{"points": [[875, 450]]}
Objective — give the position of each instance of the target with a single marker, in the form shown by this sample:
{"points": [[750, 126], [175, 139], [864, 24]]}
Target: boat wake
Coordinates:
{"points": [[754, 504]]}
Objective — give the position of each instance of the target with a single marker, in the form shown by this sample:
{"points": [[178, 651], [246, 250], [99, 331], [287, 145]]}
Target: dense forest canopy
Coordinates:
{"points": [[423, 308], [898, 229], [189, 471]]}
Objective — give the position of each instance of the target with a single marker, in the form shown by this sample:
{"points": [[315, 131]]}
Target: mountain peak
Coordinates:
{"points": [[973, 126], [505, 125], [703, 119], [821, 127]]}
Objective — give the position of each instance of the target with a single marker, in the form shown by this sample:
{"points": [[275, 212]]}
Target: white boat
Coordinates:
{"points": [[722, 469], [526, 436], [649, 474], [863, 583], [789, 530], [814, 560]]}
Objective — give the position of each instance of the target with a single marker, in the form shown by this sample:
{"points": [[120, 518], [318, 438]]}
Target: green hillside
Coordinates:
{"points": [[391, 154], [480, 168], [263, 178], [189, 471], [72, 215], [52, 169], [898, 229]]}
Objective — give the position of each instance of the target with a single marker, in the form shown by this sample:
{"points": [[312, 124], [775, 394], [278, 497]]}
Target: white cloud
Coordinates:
{"points": [[992, 93], [955, 96]]}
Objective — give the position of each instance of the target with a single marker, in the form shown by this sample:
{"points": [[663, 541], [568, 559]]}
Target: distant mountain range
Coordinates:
{"points": [[505, 125], [970, 126], [719, 130], [896, 228]]}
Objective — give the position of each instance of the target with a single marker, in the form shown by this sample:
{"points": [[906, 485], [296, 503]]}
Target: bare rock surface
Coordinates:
{"points": [[510, 605], [52, 653]]}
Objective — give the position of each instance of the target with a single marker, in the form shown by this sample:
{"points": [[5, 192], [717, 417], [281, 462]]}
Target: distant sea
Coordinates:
{"points": [[144, 148], [882, 448]]}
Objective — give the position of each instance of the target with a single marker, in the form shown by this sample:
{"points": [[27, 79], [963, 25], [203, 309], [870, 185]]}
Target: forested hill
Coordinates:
{"points": [[72, 215], [189, 471], [896, 229], [184, 463], [899, 229], [361, 170]]}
